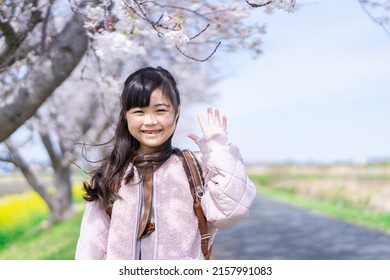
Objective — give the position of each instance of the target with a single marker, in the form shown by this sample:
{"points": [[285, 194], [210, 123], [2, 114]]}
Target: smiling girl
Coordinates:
{"points": [[139, 203]]}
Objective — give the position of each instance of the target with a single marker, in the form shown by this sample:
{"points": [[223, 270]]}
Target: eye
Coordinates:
{"points": [[137, 112], [162, 110]]}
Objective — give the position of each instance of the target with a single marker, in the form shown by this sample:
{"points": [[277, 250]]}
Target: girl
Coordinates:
{"points": [[139, 203]]}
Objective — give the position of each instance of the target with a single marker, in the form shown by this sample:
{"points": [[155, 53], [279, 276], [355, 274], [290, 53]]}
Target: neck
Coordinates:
{"points": [[148, 162]]}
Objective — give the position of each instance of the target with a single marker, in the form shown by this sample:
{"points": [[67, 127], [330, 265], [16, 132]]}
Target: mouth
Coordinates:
{"points": [[151, 132]]}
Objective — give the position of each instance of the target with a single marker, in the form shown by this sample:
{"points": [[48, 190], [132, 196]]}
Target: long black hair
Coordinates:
{"points": [[106, 179]]}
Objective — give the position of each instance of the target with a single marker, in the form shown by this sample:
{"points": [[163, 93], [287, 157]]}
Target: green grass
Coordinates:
{"points": [[9, 234], [338, 208], [57, 243]]}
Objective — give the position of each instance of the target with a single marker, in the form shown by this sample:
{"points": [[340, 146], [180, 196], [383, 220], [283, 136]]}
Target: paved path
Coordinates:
{"points": [[276, 231]]}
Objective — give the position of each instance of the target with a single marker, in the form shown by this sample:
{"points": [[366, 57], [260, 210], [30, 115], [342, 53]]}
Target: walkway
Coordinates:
{"points": [[277, 231]]}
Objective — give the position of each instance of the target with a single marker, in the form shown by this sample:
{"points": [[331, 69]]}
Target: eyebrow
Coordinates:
{"points": [[155, 106], [161, 104]]}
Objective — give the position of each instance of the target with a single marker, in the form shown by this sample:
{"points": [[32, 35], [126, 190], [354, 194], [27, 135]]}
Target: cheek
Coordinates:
{"points": [[131, 126], [169, 122]]}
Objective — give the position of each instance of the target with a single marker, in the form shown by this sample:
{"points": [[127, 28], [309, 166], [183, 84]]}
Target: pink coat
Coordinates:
{"points": [[228, 196]]}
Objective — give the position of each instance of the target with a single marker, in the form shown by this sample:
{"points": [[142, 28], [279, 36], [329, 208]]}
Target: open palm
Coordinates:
{"points": [[214, 125]]}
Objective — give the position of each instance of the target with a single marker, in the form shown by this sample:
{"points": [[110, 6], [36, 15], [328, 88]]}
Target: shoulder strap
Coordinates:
{"points": [[194, 174], [195, 179]]}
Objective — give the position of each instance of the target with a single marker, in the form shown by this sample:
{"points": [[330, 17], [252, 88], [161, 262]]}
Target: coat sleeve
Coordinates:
{"points": [[229, 192], [92, 242]]}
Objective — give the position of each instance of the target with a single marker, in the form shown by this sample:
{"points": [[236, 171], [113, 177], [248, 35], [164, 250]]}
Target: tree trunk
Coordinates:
{"points": [[61, 202], [65, 52]]}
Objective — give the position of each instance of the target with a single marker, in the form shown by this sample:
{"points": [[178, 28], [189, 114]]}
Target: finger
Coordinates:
{"points": [[194, 137], [224, 123], [217, 118], [210, 116], [201, 122]]}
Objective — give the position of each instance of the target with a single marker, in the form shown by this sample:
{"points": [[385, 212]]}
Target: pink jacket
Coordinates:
{"points": [[228, 196]]}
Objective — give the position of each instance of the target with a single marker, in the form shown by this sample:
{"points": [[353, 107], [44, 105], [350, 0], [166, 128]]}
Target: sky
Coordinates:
{"points": [[320, 92]]}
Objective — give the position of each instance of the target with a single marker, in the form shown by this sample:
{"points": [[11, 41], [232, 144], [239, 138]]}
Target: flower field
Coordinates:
{"points": [[19, 212]]}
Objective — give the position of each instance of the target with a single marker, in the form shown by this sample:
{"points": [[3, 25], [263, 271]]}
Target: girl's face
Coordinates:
{"points": [[154, 124]]}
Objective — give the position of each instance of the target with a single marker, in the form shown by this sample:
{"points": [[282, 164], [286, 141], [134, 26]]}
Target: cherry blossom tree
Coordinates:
{"points": [[82, 52], [42, 43], [61, 121]]}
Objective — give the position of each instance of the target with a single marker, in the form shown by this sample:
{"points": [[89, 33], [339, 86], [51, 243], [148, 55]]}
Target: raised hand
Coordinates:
{"points": [[214, 124]]}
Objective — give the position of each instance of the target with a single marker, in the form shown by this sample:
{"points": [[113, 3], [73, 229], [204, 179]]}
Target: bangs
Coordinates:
{"points": [[137, 93], [140, 85]]}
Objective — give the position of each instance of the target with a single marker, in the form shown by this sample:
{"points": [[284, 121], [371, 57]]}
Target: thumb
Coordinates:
{"points": [[193, 137]]}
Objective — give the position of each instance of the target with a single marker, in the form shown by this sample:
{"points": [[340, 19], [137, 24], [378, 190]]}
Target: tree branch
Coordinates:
{"points": [[44, 29], [199, 33], [178, 8], [49, 148], [373, 18], [197, 59], [14, 40], [258, 5], [8, 159], [142, 14], [27, 172]]}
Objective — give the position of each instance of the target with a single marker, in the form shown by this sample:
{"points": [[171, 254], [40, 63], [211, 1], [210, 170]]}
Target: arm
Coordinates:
{"points": [[228, 192], [92, 243]]}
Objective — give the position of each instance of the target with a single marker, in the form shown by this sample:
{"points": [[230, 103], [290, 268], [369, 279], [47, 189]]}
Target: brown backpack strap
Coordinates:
{"points": [[193, 171]]}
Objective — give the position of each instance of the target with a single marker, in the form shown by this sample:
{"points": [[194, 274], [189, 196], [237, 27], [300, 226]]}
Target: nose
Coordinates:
{"points": [[150, 119]]}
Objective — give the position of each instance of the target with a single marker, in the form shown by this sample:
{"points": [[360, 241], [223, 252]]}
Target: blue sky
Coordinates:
{"points": [[319, 92]]}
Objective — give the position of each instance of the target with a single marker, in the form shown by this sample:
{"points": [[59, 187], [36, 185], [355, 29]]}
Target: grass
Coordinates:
{"points": [[339, 208]]}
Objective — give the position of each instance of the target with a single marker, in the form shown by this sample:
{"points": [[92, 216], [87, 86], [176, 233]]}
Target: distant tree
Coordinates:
{"points": [[63, 119]]}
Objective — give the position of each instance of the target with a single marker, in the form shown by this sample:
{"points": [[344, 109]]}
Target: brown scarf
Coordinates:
{"points": [[145, 227], [147, 165]]}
